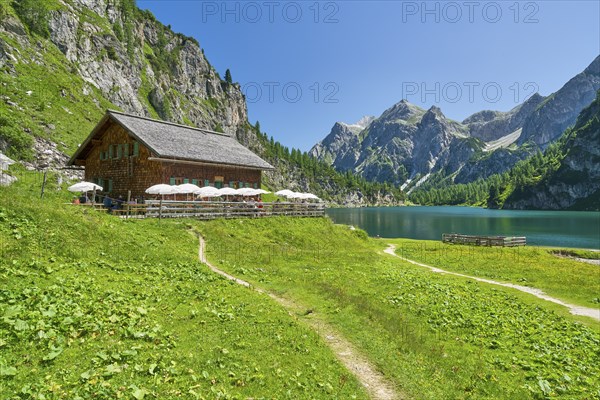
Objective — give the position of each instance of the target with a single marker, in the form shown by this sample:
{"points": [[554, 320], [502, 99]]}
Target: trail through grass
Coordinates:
{"points": [[373, 381], [537, 267], [435, 336], [575, 310], [92, 306]]}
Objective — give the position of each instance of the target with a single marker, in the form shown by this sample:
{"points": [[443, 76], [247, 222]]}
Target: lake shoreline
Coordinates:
{"points": [[560, 229]]}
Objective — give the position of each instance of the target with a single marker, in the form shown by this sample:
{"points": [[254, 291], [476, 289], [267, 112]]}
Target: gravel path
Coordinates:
{"points": [[575, 310], [376, 384]]}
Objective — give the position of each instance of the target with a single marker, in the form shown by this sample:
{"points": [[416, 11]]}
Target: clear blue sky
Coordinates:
{"points": [[355, 58]]}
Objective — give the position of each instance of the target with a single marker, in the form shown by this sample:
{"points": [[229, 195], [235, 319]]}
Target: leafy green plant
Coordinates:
{"points": [[435, 336], [92, 306]]}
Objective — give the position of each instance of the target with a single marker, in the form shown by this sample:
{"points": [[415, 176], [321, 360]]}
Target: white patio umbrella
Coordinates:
{"points": [[261, 191], [284, 192], [84, 187], [187, 188], [247, 192], [161, 189], [227, 191], [5, 162], [311, 196], [208, 191], [295, 195]]}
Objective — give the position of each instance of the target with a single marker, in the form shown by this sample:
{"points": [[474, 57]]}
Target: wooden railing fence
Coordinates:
{"points": [[217, 209]]}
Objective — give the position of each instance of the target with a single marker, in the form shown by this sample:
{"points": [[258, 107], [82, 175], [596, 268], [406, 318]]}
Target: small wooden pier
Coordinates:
{"points": [[473, 240]]}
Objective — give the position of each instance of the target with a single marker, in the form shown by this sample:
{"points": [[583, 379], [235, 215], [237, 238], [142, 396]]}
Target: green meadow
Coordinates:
{"points": [[94, 306], [434, 336], [573, 281]]}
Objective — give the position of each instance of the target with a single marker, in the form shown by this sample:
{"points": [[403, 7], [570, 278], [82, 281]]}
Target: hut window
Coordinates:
{"points": [[125, 150], [206, 182], [255, 185], [172, 181], [136, 149], [231, 184], [110, 151], [218, 184], [195, 182], [101, 156], [186, 180], [110, 185], [119, 151]]}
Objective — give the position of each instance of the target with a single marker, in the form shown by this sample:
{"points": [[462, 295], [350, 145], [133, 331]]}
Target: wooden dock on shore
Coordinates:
{"points": [[475, 240]]}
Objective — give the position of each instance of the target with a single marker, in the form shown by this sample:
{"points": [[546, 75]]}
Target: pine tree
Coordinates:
{"points": [[228, 78]]}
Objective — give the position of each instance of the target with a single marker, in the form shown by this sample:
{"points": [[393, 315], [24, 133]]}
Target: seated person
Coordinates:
{"points": [[118, 204], [107, 202]]}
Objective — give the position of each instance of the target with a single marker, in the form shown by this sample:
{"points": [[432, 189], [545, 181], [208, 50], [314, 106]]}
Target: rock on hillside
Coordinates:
{"points": [[143, 67]]}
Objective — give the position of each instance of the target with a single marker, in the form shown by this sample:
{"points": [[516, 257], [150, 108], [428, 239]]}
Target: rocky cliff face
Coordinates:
{"points": [[560, 110], [493, 125], [340, 145], [406, 144], [116, 56], [576, 183], [143, 67]]}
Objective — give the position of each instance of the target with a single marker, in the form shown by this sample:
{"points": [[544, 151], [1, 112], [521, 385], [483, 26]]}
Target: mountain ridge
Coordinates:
{"points": [[412, 145], [565, 176]]}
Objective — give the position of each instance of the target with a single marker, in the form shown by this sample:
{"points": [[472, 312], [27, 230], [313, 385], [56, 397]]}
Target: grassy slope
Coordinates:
{"points": [[91, 305], [434, 336], [57, 98], [572, 281]]}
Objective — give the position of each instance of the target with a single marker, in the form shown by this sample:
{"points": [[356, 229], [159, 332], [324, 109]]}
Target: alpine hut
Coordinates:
{"points": [[125, 154]]}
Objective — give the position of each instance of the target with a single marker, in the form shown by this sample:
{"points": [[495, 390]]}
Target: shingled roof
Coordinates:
{"points": [[179, 142]]}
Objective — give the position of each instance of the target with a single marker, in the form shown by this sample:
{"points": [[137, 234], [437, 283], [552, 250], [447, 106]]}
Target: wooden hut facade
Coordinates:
{"points": [[126, 154]]}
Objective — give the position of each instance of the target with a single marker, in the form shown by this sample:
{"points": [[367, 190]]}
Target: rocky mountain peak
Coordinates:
{"points": [[535, 98], [433, 115], [593, 68], [144, 67], [558, 111], [404, 111], [364, 121], [482, 116], [340, 129]]}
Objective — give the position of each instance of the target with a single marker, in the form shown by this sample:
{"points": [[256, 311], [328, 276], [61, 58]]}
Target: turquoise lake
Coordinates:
{"points": [[542, 228]]}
